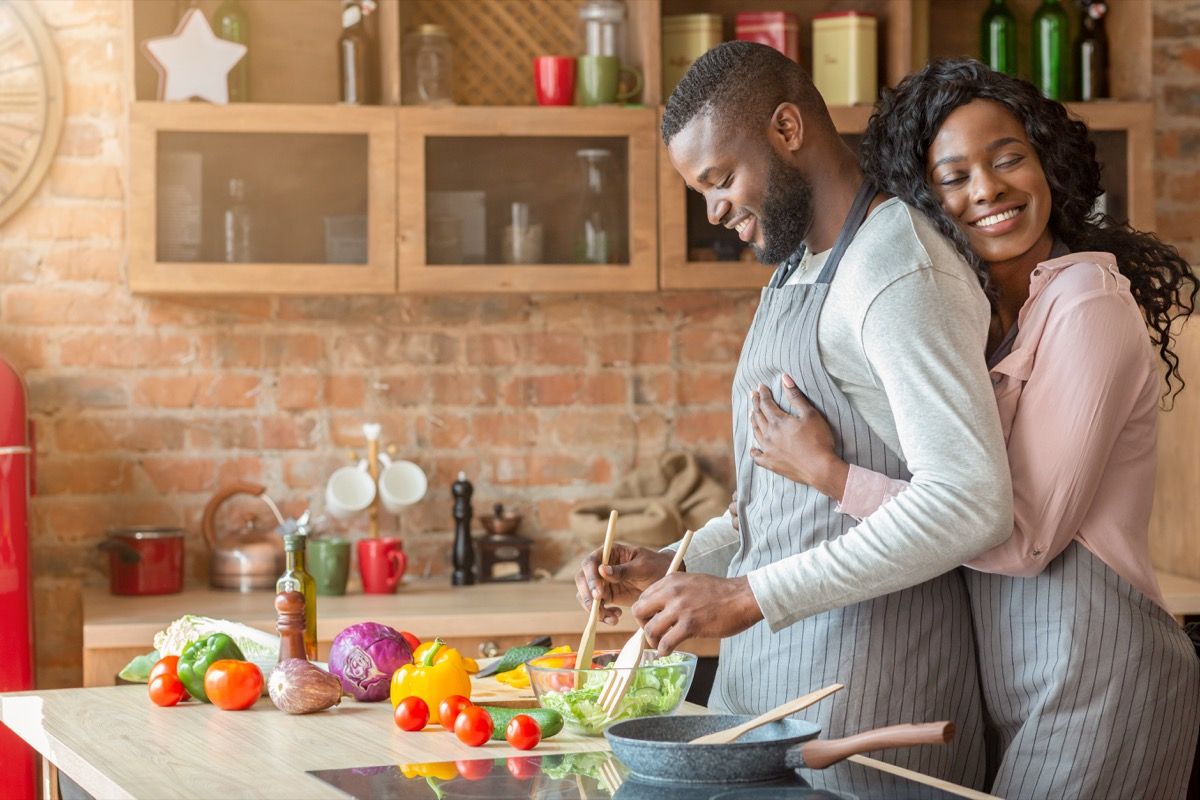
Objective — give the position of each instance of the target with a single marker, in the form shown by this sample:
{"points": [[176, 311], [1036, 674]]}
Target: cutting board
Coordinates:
{"points": [[489, 691]]}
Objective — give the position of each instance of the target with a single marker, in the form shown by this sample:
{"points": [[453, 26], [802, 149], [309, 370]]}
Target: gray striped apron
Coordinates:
{"points": [[904, 657], [1091, 689]]}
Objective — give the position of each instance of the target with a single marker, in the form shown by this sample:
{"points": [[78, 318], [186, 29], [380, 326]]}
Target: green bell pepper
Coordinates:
{"points": [[198, 656]]}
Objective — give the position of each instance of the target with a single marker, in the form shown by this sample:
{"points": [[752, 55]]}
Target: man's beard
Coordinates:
{"points": [[787, 212]]}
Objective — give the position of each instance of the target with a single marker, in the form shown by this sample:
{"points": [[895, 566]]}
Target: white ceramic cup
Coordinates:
{"points": [[401, 484], [348, 491]]}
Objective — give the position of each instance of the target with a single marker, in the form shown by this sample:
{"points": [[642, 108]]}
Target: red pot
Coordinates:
{"points": [[145, 560]]}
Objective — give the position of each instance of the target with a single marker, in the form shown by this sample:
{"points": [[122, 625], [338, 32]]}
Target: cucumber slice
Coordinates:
{"points": [[517, 656], [549, 720]]}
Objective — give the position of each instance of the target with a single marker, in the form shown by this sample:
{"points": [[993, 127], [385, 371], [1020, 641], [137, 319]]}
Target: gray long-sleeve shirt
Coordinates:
{"points": [[902, 333]]}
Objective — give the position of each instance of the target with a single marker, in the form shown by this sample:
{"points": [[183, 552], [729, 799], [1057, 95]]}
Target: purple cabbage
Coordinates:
{"points": [[364, 656]]}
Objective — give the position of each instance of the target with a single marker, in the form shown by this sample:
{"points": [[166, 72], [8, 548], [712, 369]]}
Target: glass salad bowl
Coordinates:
{"points": [[656, 688]]}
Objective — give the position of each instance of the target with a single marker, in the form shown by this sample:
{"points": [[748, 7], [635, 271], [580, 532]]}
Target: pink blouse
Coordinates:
{"points": [[1078, 398]]}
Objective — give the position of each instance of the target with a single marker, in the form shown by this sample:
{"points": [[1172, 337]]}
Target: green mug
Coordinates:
{"points": [[597, 79], [329, 564]]}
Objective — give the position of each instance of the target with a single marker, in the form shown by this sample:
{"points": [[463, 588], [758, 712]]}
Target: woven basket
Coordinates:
{"points": [[495, 42]]}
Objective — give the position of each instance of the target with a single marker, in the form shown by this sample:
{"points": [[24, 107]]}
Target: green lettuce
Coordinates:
{"points": [[656, 689], [138, 670]]}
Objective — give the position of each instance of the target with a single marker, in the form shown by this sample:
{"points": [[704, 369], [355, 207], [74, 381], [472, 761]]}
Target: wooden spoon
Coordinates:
{"points": [[791, 707], [587, 643]]}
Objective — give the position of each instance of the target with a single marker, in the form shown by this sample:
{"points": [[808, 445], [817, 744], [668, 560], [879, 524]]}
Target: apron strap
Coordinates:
{"points": [[854, 220]]}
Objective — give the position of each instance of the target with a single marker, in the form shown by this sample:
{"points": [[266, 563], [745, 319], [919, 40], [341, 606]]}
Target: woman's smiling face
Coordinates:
{"points": [[989, 179]]}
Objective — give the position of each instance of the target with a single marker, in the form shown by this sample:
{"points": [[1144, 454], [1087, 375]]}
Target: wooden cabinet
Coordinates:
{"points": [[439, 185], [583, 178], [262, 198]]}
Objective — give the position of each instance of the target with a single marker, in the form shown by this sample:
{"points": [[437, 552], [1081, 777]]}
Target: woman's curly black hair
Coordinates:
{"points": [[897, 142]]}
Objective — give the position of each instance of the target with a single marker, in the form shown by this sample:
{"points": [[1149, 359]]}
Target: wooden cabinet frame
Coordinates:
{"points": [[637, 126], [148, 274]]}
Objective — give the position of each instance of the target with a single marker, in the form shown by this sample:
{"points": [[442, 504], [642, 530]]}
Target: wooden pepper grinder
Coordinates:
{"points": [[464, 550], [290, 624]]}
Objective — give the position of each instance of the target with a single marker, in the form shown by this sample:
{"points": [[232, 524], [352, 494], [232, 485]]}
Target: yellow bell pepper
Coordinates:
{"points": [[431, 679], [445, 770], [447, 653], [518, 678]]}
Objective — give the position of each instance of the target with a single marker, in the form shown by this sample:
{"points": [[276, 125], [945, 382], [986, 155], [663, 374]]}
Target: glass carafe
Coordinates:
{"points": [[597, 228]]}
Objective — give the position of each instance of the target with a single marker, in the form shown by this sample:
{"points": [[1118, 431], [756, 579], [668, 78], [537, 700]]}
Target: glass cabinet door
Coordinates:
{"points": [[262, 199], [547, 200]]}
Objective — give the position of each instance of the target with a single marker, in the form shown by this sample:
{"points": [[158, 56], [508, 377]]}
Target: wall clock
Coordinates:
{"points": [[31, 103]]}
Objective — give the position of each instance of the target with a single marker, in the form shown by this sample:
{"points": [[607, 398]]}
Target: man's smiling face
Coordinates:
{"points": [[746, 185]]}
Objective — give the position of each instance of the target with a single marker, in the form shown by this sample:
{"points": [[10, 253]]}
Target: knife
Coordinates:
{"points": [[490, 669]]}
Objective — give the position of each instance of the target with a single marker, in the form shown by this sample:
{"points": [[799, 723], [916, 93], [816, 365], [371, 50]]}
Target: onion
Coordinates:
{"points": [[364, 656], [299, 687]]}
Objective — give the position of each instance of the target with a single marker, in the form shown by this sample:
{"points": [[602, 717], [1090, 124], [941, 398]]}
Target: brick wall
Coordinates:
{"points": [[144, 406]]}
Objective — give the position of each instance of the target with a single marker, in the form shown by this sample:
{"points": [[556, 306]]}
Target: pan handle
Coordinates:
{"points": [[821, 753]]}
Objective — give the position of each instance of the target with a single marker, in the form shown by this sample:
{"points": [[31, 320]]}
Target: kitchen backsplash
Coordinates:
{"points": [[144, 406]]}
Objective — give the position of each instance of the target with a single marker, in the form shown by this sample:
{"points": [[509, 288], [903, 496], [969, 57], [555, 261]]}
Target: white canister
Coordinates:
{"points": [[845, 57]]}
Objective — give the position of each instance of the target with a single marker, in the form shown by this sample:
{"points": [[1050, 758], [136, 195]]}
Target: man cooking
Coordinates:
{"points": [[882, 326]]}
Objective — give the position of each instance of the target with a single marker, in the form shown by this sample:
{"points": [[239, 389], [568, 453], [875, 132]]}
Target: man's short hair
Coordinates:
{"points": [[743, 82]]}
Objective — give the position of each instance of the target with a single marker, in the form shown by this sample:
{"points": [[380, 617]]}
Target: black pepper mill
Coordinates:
{"points": [[464, 551]]}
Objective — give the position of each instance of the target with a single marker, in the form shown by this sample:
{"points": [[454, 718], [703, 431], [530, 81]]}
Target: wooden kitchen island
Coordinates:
{"points": [[115, 743]]}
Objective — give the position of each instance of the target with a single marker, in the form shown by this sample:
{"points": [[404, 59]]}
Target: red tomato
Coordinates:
{"points": [[524, 768], [474, 726], [167, 665], [562, 681], [474, 769], [450, 708], [412, 714], [166, 690], [413, 641], [233, 685], [523, 732]]}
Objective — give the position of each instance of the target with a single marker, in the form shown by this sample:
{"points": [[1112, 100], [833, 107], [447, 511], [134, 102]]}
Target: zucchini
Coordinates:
{"points": [[549, 720], [517, 656]]}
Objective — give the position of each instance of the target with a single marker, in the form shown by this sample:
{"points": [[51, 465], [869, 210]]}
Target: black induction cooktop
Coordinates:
{"points": [[599, 776]]}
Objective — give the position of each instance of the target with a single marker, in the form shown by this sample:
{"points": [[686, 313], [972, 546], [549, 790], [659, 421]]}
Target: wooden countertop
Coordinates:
{"points": [[116, 744], [427, 608]]}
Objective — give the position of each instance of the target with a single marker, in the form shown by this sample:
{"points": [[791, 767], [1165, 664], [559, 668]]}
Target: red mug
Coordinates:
{"points": [[381, 564], [554, 80]]}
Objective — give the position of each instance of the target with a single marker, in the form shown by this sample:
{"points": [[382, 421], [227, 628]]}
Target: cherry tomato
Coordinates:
{"points": [[523, 732], [524, 768], [233, 685], [412, 714], [167, 665], [474, 726], [562, 682], [450, 708], [166, 690], [413, 641], [474, 769]]}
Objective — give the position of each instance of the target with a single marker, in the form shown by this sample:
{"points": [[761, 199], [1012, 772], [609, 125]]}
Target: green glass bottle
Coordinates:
{"points": [[296, 579], [998, 38], [1051, 50], [231, 24]]}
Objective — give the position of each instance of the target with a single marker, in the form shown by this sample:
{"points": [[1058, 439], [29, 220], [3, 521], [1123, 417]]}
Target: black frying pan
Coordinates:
{"points": [[656, 749]]}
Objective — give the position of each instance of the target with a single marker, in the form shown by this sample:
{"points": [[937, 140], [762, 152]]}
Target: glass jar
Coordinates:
{"points": [[427, 76], [602, 27], [597, 228]]}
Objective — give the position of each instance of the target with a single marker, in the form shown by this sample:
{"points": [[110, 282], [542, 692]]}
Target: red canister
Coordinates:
{"points": [[145, 561], [778, 29]]}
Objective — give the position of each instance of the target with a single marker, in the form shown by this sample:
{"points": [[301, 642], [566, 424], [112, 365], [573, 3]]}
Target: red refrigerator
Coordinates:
{"points": [[16, 620]]}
